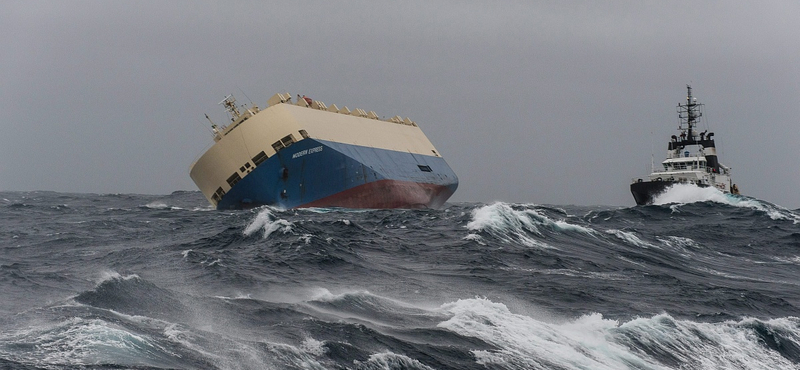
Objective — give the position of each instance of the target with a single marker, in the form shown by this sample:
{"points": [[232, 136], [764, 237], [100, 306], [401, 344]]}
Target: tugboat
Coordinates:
{"points": [[691, 159]]}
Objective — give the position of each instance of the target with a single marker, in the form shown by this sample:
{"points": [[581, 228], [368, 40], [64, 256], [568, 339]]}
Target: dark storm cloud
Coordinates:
{"points": [[542, 102]]}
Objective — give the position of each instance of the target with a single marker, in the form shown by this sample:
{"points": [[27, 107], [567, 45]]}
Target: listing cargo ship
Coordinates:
{"points": [[691, 159], [306, 154]]}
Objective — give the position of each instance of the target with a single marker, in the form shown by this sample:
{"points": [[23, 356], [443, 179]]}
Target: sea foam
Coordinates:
{"points": [[266, 220], [388, 361], [687, 193], [510, 224], [524, 342], [594, 342]]}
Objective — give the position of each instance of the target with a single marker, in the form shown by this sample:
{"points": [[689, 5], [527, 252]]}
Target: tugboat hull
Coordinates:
{"points": [[644, 192]]}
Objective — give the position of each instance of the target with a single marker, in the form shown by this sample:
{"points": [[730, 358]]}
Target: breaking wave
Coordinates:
{"points": [[593, 342], [686, 193], [523, 224], [267, 221], [703, 280]]}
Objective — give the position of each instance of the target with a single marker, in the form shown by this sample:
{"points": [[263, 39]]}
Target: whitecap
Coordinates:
{"points": [[160, 205], [267, 221], [524, 342], [389, 360], [679, 194], [80, 341], [795, 260], [594, 342], [306, 238], [507, 224], [678, 241], [108, 275], [313, 346], [679, 244], [474, 237], [723, 345], [631, 238]]}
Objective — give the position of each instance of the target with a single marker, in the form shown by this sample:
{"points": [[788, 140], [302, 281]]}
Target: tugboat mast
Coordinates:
{"points": [[689, 113]]}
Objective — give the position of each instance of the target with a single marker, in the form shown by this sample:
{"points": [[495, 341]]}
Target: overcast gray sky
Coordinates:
{"points": [[548, 102]]}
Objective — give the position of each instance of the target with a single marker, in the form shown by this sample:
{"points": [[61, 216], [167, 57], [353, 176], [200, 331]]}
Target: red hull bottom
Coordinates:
{"points": [[387, 194]]}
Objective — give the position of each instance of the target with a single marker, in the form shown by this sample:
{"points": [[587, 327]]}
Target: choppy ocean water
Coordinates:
{"points": [[701, 281]]}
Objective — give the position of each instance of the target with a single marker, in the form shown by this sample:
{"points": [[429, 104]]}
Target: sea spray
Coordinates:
{"points": [[108, 283], [266, 220], [686, 193]]}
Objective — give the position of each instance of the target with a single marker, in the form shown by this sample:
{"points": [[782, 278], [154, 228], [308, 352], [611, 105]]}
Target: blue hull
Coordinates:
{"points": [[319, 173]]}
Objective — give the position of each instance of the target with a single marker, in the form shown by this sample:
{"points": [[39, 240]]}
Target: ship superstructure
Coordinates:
{"points": [[691, 159], [306, 154]]}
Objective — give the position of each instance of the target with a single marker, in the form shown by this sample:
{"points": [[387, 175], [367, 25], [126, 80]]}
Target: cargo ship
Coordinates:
{"points": [[691, 159], [307, 154]]}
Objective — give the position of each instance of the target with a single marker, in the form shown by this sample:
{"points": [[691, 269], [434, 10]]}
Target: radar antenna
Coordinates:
{"points": [[230, 106]]}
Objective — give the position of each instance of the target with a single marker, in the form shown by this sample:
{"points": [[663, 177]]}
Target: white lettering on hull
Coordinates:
{"points": [[303, 152]]}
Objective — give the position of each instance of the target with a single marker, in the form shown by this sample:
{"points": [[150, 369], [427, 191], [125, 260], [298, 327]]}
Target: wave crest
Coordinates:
{"points": [[390, 361], [594, 342], [510, 224], [266, 220]]}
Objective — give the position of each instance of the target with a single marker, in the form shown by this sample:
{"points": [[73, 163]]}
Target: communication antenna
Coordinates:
{"points": [[652, 163], [204, 125], [245, 95], [213, 125], [214, 129]]}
